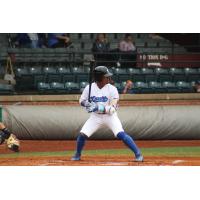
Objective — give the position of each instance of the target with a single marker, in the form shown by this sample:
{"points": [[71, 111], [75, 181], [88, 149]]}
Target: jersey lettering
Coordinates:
{"points": [[99, 99]]}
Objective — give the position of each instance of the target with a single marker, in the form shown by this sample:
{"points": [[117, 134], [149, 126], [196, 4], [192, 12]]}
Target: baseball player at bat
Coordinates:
{"points": [[103, 106]]}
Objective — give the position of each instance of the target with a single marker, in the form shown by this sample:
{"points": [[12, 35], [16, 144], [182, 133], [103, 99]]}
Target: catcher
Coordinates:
{"points": [[10, 139]]}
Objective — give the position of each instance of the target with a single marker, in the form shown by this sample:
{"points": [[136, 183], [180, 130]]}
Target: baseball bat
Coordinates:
{"points": [[92, 64]]}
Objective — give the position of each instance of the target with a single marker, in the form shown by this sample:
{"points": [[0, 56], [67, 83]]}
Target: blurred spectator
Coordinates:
{"points": [[101, 43], [100, 49], [43, 40], [22, 40], [155, 36], [128, 51], [197, 86], [34, 42], [127, 44], [128, 87], [58, 40], [26, 40]]}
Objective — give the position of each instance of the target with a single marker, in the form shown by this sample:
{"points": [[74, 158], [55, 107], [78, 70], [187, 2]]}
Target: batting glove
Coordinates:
{"points": [[92, 107], [85, 103]]}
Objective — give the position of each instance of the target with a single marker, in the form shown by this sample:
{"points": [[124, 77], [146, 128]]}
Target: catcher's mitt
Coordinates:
{"points": [[13, 143]]}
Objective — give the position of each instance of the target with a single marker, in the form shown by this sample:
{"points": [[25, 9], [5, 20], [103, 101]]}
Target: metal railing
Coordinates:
{"points": [[75, 57]]}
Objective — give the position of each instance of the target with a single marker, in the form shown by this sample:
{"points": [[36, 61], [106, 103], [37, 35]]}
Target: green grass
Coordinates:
{"points": [[163, 151]]}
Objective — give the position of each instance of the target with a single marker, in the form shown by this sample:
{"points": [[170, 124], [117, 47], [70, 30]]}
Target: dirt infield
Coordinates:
{"points": [[100, 160]]}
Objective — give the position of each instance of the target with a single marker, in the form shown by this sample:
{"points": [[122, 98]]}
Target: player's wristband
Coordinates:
{"points": [[101, 109], [110, 110]]}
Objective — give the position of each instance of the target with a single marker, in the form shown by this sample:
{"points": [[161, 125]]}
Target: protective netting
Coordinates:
{"points": [[65, 122]]}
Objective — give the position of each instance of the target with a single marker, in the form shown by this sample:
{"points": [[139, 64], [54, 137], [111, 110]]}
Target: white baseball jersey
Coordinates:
{"points": [[101, 96]]}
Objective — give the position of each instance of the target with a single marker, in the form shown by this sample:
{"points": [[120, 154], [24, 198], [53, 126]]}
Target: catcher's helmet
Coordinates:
{"points": [[101, 71]]}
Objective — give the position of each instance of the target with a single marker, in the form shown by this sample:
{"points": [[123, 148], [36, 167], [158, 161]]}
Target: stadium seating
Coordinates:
{"points": [[62, 55], [68, 77], [36, 74], [65, 74], [170, 87], [156, 87], [121, 74], [6, 89], [76, 46], [64, 70], [177, 74], [151, 43], [87, 46], [83, 85], [77, 70], [51, 75], [184, 87], [87, 70], [156, 80], [74, 36], [114, 46], [57, 87], [37, 79], [35, 71], [136, 75], [49, 70], [140, 43], [118, 86], [3, 54], [53, 78], [79, 74], [85, 36], [123, 84], [163, 74], [149, 74], [24, 80], [165, 43], [72, 87], [112, 37], [191, 74], [43, 87], [55, 67], [141, 87], [132, 71]]}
